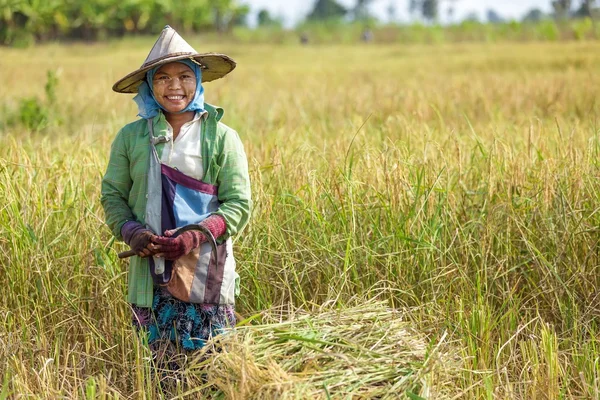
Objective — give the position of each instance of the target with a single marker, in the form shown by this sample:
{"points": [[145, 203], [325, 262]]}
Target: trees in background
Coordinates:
{"points": [[26, 21], [264, 18], [428, 9], [391, 11], [493, 17], [586, 9], [39, 20], [563, 9], [326, 10], [534, 15], [361, 10]]}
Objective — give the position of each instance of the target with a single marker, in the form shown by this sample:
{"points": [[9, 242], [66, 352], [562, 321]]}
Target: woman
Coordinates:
{"points": [[176, 166]]}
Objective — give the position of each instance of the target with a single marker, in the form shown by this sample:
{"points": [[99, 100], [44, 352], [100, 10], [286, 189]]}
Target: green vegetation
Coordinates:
{"points": [[426, 221], [34, 114], [23, 22]]}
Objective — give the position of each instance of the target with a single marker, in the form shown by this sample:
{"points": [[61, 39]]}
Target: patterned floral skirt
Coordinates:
{"points": [[187, 326]]}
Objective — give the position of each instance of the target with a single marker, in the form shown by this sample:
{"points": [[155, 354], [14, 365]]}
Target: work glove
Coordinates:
{"points": [[138, 238], [173, 248]]}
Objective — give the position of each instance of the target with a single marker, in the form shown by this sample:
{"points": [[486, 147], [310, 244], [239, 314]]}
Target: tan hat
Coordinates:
{"points": [[171, 47]]}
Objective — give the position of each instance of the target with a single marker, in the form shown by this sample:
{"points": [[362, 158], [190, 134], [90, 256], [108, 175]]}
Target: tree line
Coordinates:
{"points": [[430, 10], [25, 21]]}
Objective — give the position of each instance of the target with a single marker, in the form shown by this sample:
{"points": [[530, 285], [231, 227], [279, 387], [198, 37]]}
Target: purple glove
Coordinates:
{"points": [[172, 249], [138, 238]]}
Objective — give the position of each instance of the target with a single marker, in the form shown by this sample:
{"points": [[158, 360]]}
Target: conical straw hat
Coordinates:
{"points": [[171, 47]]}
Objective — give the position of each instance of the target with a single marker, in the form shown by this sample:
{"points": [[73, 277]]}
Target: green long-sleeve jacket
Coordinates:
{"points": [[125, 184]]}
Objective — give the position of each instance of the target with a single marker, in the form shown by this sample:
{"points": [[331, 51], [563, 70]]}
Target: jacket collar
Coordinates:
{"points": [[214, 112]]}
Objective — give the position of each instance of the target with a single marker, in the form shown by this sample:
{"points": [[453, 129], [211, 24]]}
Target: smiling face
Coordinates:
{"points": [[174, 86]]}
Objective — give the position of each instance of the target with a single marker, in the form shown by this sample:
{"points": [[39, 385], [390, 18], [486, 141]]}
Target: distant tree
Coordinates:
{"points": [[472, 17], [240, 16], [585, 9], [450, 9], [226, 13], [361, 10], [264, 18], [430, 9], [562, 8], [427, 8], [450, 12], [533, 15], [493, 17], [326, 9], [414, 7], [391, 11]]}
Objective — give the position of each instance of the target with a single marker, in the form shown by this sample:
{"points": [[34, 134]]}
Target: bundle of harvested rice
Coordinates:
{"points": [[369, 351]]}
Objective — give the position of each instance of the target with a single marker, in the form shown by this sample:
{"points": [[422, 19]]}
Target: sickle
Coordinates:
{"points": [[190, 227]]}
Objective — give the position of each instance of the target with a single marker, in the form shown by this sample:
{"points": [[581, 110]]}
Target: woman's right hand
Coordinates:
{"points": [[141, 243], [139, 238]]}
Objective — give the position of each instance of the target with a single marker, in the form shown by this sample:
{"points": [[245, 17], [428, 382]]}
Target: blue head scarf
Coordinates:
{"points": [[148, 107]]}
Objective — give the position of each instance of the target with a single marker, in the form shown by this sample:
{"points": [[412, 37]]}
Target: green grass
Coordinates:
{"points": [[457, 184]]}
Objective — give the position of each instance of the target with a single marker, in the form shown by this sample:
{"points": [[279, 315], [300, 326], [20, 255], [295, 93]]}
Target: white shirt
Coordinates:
{"points": [[185, 152]]}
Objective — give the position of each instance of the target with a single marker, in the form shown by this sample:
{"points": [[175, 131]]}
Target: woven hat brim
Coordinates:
{"points": [[214, 66]]}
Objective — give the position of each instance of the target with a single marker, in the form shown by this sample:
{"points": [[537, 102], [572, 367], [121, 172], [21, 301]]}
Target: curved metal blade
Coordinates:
{"points": [[206, 232]]}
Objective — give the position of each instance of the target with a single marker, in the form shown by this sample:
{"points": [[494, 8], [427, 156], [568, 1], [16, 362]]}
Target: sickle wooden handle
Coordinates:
{"points": [[127, 254]]}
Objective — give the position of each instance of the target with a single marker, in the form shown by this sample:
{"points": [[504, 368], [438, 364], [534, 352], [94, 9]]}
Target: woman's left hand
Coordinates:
{"points": [[173, 248]]}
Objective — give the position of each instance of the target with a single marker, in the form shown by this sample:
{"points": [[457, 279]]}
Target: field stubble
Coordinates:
{"points": [[457, 184]]}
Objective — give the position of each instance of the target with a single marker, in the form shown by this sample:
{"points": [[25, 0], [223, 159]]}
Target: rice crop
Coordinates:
{"points": [[425, 224]]}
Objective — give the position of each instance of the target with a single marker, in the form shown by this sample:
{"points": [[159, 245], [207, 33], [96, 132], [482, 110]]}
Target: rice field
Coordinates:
{"points": [[425, 224]]}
